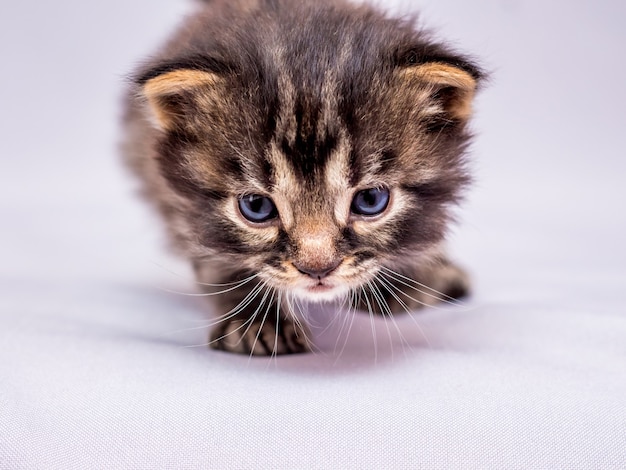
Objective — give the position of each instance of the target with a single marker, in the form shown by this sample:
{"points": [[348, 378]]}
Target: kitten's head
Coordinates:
{"points": [[312, 147]]}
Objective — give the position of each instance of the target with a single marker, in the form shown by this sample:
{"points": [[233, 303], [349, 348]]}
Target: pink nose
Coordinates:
{"points": [[316, 272]]}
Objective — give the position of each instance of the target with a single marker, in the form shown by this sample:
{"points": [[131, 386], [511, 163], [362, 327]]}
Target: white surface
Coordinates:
{"points": [[95, 371]]}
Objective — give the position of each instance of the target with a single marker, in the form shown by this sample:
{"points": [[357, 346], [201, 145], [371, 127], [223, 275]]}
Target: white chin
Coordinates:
{"points": [[318, 294]]}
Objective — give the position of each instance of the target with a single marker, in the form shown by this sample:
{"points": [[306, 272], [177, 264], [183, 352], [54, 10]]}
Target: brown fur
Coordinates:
{"points": [[306, 104], [459, 105], [160, 89]]}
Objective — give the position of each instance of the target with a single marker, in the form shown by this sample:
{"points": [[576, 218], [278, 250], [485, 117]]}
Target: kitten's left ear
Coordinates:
{"points": [[453, 86], [171, 95]]}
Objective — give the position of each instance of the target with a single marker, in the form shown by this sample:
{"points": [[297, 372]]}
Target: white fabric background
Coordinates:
{"points": [[95, 365]]}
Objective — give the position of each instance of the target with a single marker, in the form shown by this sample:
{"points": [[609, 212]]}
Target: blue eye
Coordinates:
{"points": [[370, 202], [257, 208]]}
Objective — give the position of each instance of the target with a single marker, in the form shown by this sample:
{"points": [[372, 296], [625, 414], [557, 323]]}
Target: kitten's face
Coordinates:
{"points": [[321, 231], [314, 180]]}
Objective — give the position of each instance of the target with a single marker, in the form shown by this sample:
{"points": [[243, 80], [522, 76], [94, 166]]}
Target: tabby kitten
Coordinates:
{"points": [[303, 151]]}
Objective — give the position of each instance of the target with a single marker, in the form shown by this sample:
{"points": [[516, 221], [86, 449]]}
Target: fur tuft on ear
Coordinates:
{"points": [[166, 94], [453, 85]]}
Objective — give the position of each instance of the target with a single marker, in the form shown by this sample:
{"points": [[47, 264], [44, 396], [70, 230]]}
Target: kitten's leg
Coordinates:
{"points": [[252, 321], [411, 289]]}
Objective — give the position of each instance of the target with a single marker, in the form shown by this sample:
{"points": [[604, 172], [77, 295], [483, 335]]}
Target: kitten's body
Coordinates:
{"points": [[312, 145]]}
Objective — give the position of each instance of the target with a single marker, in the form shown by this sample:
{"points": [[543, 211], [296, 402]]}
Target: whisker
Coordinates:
{"points": [[462, 305], [372, 324], [187, 278], [344, 322], [389, 287], [397, 289], [351, 313], [355, 299], [334, 319], [417, 301], [440, 296], [234, 286], [226, 316], [274, 354], [226, 284], [248, 322], [247, 300], [295, 306], [301, 328], [384, 310], [258, 334], [403, 341]]}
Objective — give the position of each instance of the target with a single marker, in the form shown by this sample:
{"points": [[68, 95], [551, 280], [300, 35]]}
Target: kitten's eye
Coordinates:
{"points": [[370, 202], [257, 208]]}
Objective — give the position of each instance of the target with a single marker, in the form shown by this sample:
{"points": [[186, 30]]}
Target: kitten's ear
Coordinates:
{"points": [[171, 95], [454, 87]]}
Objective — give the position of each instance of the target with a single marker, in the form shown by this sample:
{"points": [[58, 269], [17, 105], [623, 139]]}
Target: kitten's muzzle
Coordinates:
{"points": [[318, 273]]}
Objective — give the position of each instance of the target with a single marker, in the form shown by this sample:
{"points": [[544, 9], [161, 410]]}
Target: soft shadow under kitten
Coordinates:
{"points": [[303, 152]]}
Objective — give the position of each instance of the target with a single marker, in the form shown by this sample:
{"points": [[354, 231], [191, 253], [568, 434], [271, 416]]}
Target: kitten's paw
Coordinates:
{"points": [[259, 339], [451, 281]]}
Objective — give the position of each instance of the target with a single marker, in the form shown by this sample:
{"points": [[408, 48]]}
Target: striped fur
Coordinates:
{"points": [[306, 103]]}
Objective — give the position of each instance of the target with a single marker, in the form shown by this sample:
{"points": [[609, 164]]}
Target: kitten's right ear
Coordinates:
{"points": [[453, 83], [171, 95]]}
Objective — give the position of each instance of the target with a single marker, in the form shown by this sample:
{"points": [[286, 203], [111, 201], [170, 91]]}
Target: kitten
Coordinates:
{"points": [[303, 151]]}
